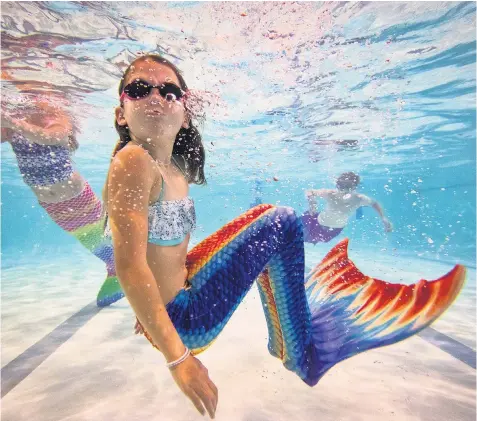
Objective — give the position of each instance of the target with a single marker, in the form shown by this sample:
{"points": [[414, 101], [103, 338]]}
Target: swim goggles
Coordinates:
{"points": [[139, 89]]}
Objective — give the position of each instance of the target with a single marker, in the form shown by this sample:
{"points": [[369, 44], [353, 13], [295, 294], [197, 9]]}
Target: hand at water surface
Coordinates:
{"points": [[43, 124]]}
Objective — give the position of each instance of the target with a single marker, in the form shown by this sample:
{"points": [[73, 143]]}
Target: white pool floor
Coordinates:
{"points": [[104, 372]]}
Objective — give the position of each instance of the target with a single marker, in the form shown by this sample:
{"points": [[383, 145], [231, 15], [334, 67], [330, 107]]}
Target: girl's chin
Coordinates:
{"points": [[156, 131], [159, 120]]}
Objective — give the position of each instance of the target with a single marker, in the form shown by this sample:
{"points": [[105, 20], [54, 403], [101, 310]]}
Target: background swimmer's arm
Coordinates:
{"points": [[367, 201], [311, 194], [128, 200], [318, 192]]}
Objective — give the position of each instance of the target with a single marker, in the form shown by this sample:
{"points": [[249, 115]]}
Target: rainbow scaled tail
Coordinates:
{"points": [[82, 217], [51, 167], [352, 312], [110, 292]]}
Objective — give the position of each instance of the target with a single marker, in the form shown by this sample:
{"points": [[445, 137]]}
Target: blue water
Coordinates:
{"points": [[351, 89], [392, 98]]}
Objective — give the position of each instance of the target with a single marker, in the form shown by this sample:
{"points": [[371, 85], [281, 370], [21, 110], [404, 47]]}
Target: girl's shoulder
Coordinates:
{"points": [[133, 156]]}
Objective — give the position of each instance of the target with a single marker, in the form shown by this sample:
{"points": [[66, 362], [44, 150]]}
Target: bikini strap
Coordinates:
{"points": [[184, 173], [161, 194]]}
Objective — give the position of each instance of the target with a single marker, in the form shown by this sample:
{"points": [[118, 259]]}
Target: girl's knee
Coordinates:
{"points": [[286, 220], [286, 213]]}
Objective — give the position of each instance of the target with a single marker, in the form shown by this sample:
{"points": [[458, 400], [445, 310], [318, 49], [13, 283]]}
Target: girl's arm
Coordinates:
{"points": [[129, 186], [130, 182]]}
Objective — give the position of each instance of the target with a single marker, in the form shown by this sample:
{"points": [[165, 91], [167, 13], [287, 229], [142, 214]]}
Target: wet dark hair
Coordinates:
{"points": [[347, 180], [188, 143]]}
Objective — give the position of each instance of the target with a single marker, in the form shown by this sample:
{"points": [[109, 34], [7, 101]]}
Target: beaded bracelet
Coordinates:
{"points": [[179, 360]]}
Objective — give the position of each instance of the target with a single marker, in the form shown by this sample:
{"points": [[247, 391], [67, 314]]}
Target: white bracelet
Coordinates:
{"points": [[179, 360]]}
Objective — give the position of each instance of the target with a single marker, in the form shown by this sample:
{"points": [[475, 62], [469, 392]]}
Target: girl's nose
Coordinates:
{"points": [[155, 93]]}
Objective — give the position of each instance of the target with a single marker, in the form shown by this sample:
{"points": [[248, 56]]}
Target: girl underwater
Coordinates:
{"points": [[183, 299]]}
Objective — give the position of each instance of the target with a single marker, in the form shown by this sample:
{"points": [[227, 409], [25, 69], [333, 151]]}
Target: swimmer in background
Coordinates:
{"points": [[341, 203]]}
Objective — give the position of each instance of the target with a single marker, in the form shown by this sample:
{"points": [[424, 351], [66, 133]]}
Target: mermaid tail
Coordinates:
{"points": [[352, 312], [81, 216], [265, 243], [110, 292], [313, 323]]}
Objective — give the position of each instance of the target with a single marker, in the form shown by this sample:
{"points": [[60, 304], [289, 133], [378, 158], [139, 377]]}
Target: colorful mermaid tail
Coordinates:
{"points": [[339, 314], [82, 216], [352, 313], [222, 269]]}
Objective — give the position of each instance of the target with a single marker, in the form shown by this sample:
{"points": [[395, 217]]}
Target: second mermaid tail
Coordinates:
{"points": [[81, 216]]}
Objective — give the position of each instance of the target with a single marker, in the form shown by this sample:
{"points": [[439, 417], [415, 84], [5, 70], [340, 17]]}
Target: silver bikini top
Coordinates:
{"points": [[169, 221]]}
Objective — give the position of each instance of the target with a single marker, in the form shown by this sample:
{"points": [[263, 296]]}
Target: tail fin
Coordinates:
{"points": [[352, 312], [82, 216], [110, 292]]}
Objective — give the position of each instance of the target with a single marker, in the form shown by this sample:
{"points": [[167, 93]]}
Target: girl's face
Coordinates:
{"points": [[153, 116]]}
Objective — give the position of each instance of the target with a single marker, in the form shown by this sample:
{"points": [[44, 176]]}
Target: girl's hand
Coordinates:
{"points": [[138, 328], [193, 379]]}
